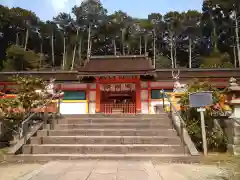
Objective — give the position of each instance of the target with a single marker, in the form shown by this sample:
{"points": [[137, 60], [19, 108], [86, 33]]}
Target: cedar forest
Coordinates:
{"points": [[192, 39]]}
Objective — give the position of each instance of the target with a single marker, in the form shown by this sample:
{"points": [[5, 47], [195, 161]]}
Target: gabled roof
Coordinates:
{"points": [[108, 64]]}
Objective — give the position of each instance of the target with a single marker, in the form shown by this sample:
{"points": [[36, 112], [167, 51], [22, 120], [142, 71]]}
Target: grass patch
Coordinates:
{"points": [[225, 161]]}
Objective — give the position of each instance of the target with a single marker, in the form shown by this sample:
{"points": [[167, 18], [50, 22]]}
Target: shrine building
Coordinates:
{"points": [[118, 84]]}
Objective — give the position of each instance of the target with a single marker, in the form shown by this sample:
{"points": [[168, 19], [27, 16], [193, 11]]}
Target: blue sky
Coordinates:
{"points": [[46, 9]]}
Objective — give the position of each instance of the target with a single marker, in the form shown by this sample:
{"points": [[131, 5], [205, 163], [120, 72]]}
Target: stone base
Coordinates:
{"points": [[233, 149]]}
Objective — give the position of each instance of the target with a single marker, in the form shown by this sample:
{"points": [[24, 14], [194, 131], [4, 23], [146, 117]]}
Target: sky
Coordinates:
{"points": [[47, 9]]}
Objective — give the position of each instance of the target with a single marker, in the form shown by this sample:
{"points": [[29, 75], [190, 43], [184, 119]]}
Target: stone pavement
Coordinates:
{"points": [[13, 171], [122, 170]]}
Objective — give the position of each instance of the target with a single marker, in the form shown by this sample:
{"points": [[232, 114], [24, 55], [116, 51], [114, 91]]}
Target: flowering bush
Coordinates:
{"points": [[215, 138], [14, 110]]}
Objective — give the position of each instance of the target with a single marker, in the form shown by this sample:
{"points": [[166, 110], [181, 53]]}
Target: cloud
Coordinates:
{"points": [[64, 5], [46, 9], [59, 5]]}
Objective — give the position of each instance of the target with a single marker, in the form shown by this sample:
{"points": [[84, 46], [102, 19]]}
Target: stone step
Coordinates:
{"points": [[102, 149], [159, 158], [107, 132], [105, 140], [111, 120], [116, 115], [112, 126]]}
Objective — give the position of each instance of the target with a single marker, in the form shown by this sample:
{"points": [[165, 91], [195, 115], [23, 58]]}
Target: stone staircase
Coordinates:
{"points": [[111, 137]]}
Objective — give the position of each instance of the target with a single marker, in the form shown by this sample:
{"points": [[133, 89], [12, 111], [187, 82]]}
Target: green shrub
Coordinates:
{"points": [[216, 139]]}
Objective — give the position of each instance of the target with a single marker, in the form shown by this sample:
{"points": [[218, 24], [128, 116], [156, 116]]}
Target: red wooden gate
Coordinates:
{"points": [[129, 108]]}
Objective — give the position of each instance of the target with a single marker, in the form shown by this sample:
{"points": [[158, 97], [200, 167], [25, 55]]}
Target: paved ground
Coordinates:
{"points": [[13, 171], [109, 170]]}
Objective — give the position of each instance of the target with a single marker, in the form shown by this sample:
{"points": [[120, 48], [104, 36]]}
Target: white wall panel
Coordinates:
{"points": [[92, 108], [144, 107], [73, 108]]}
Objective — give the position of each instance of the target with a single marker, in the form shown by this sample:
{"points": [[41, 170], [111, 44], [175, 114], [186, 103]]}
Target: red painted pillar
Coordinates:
{"points": [[149, 97], [87, 98], [98, 96], [138, 96]]}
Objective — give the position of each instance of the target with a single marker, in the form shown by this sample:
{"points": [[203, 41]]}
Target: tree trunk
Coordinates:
{"points": [[154, 49], [114, 47], [171, 49], [123, 43], [64, 53], [140, 46], [190, 52], [17, 39], [53, 53], [175, 56], [80, 50], [41, 55], [26, 39], [235, 56], [89, 39], [145, 44], [237, 39], [90, 48], [74, 53], [215, 38]]}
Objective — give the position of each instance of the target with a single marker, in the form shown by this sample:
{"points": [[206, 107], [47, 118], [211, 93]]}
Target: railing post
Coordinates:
{"points": [[57, 113], [163, 103], [53, 121], [58, 107], [25, 132], [182, 136], [163, 95], [45, 118]]}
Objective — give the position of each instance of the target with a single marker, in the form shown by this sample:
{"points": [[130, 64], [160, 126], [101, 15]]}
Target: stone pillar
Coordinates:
{"points": [[98, 97], [233, 135], [233, 130], [233, 123]]}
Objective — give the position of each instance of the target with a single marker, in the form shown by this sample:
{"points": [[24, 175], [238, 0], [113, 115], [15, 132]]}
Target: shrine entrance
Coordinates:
{"points": [[118, 98]]}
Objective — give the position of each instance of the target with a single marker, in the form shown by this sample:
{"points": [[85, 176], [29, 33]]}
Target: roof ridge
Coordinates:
{"points": [[107, 57]]}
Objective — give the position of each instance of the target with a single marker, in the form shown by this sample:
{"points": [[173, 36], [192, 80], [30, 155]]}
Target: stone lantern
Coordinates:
{"points": [[233, 96], [233, 124], [233, 90]]}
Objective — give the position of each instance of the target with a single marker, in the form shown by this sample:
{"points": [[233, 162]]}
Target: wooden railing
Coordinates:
{"points": [[123, 108]]}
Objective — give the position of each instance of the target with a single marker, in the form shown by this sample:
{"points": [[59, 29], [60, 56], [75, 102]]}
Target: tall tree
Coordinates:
{"points": [[192, 33], [174, 22], [90, 14], [64, 23]]}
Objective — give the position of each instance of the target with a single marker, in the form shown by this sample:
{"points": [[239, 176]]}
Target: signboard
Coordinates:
{"points": [[118, 87], [200, 99]]}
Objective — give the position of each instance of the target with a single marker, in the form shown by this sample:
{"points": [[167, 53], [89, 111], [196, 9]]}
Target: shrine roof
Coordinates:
{"points": [[109, 64], [161, 74]]}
